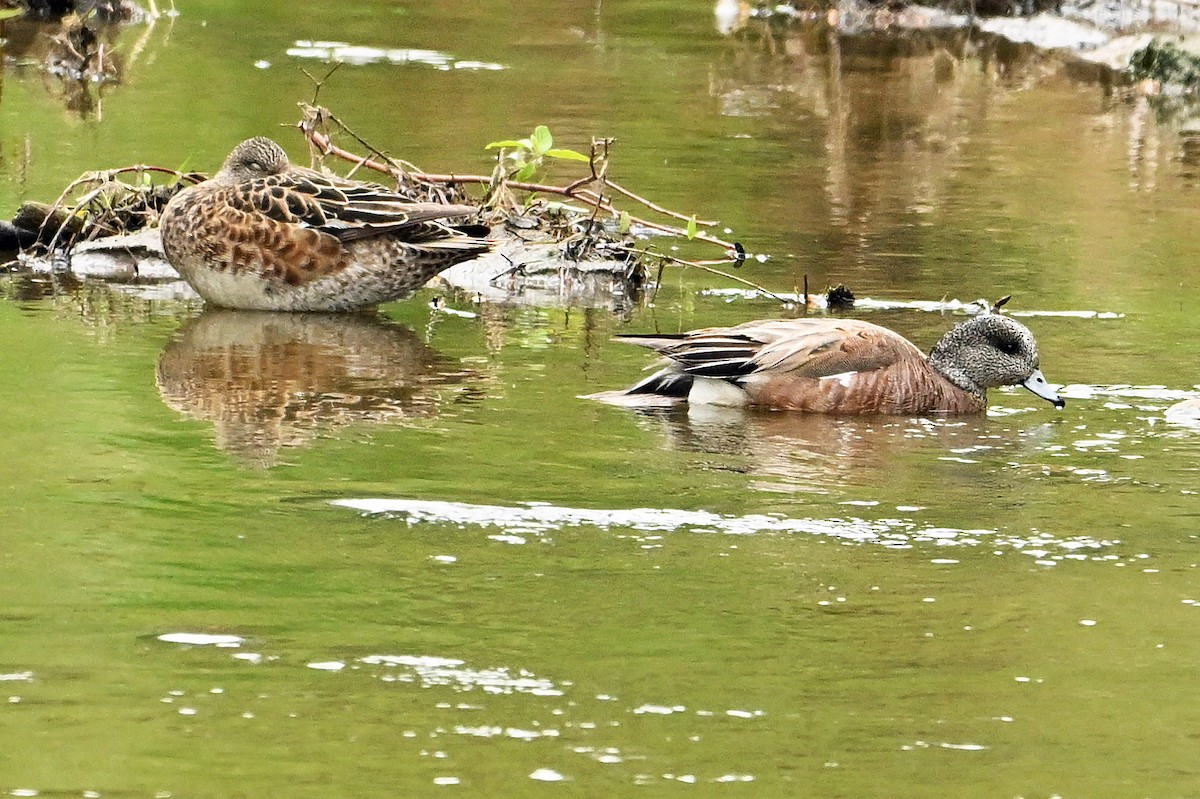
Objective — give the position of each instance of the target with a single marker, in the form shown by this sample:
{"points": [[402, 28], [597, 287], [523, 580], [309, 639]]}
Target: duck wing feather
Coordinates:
{"points": [[347, 210], [800, 347]]}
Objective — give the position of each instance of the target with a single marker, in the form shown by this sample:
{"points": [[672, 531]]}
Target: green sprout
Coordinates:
{"points": [[529, 155]]}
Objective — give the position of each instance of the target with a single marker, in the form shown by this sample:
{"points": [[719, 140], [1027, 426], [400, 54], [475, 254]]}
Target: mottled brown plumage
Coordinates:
{"points": [[841, 366], [265, 234]]}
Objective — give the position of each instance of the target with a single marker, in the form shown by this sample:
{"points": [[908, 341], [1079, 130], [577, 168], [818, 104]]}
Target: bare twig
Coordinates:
{"points": [[316, 116], [317, 84], [702, 265], [656, 207]]}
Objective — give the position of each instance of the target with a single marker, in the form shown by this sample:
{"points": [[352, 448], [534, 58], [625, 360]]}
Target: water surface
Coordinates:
{"points": [[247, 555]]}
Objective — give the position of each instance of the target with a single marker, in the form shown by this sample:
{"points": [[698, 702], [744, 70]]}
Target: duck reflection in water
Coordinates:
{"points": [[815, 453], [268, 381]]}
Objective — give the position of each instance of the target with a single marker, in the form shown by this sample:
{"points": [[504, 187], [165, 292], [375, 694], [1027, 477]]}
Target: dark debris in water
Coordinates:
{"points": [[1165, 61], [106, 11], [839, 297]]}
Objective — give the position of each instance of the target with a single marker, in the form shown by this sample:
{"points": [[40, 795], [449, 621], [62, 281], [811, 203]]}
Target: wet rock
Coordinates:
{"points": [[44, 221], [1096, 40], [122, 258], [48, 9]]}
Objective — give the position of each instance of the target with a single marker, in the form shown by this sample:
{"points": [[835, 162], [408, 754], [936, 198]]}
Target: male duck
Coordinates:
{"points": [[1184, 412], [266, 235], [841, 367]]}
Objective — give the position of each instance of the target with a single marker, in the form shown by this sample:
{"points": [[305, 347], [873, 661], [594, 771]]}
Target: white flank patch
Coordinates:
{"points": [[714, 391]]}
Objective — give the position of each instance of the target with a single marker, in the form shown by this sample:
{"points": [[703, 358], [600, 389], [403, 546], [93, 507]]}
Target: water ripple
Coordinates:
{"points": [[540, 518], [431, 671]]}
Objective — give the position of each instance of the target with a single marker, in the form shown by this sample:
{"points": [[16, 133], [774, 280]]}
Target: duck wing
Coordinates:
{"points": [[347, 210], [799, 347]]}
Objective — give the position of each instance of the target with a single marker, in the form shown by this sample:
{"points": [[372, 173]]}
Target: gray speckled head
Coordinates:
{"points": [[253, 158], [989, 351]]}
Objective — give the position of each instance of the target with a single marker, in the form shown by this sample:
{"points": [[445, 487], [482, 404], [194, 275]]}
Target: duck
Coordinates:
{"points": [[839, 366], [1184, 412], [264, 234]]}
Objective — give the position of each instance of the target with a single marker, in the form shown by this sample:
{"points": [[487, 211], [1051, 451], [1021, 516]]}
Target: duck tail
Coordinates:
{"points": [[664, 383], [663, 389]]}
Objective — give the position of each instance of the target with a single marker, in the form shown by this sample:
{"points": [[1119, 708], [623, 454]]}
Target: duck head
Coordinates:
{"points": [[989, 351], [254, 158]]}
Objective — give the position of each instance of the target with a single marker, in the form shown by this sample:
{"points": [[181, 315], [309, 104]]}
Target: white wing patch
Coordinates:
{"points": [[845, 378]]}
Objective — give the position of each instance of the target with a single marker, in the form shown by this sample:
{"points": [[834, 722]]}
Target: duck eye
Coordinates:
{"points": [[1008, 346]]}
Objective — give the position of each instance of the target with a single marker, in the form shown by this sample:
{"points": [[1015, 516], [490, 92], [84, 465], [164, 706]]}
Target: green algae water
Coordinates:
{"points": [[396, 555]]}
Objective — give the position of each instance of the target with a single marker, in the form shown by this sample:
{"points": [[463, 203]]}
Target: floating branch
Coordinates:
{"points": [[101, 203], [589, 190]]}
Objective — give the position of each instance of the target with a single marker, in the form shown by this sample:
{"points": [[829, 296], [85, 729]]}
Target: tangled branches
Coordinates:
{"points": [[586, 215], [99, 204]]}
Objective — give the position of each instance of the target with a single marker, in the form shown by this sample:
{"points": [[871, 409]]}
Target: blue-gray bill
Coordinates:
{"points": [[1036, 383]]}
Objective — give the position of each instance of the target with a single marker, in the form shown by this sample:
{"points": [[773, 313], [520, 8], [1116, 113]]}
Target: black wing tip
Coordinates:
{"points": [[663, 389], [664, 383]]}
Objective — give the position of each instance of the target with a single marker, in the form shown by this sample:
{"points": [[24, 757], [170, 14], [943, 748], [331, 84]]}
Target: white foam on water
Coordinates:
{"points": [[542, 518], [431, 671], [361, 55], [201, 639]]}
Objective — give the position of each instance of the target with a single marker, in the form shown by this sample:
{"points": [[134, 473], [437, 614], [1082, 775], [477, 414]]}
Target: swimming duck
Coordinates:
{"points": [[840, 366], [1184, 412], [264, 234]]}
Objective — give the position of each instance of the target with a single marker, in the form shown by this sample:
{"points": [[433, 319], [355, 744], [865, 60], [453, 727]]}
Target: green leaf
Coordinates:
{"points": [[691, 228], [526, 172], [5, 13], [625, 223], [542, 140], [505, 143], [568, 155]]}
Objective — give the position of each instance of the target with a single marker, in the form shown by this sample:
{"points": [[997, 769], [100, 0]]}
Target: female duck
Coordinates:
{"points": [[266, 235], [841, 367]]}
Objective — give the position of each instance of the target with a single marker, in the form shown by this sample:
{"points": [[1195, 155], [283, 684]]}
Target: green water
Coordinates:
{"points": [[756, 604]]}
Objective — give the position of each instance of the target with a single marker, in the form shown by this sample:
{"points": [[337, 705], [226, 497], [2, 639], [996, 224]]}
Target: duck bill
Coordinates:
{"points": [[1036, 383]]}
